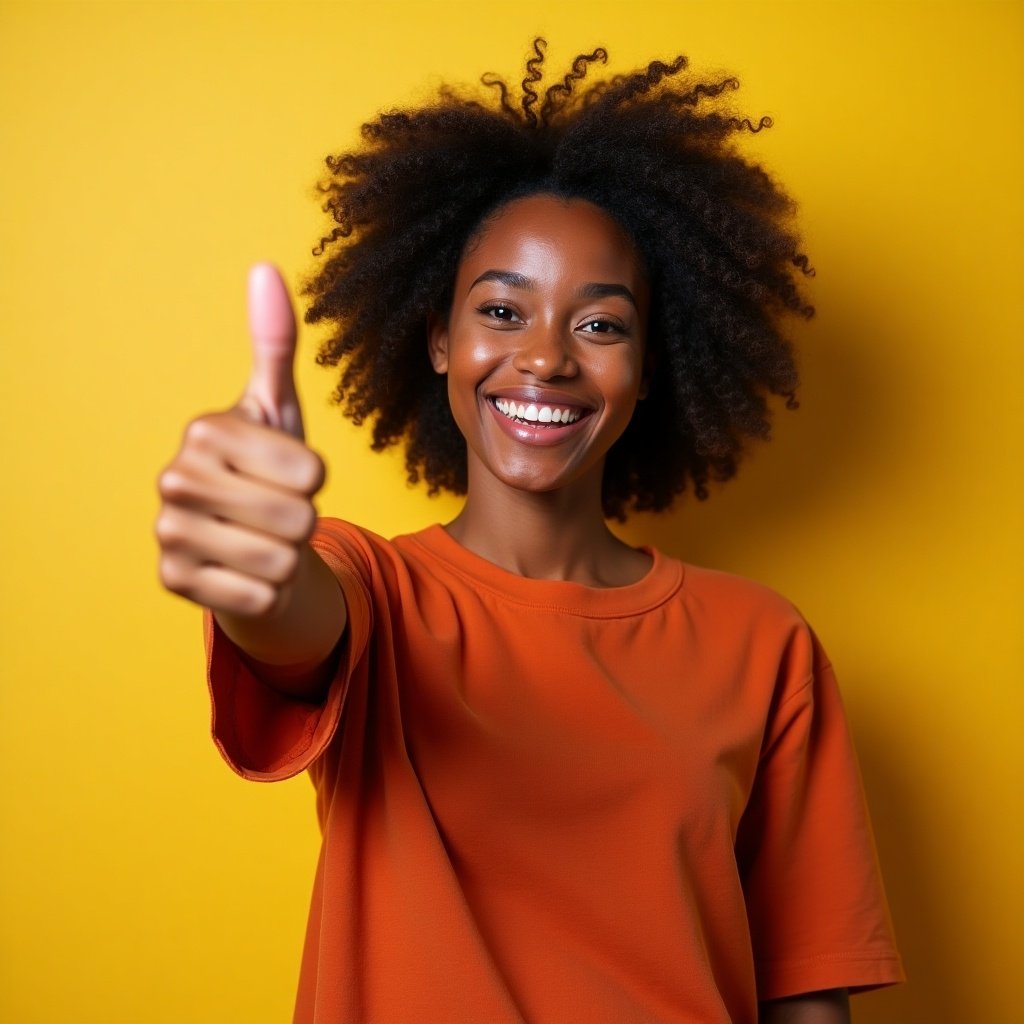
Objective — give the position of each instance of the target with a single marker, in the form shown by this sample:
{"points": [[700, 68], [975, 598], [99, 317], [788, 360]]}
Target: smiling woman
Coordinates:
{"points": [[543, 349], [559, 778]]}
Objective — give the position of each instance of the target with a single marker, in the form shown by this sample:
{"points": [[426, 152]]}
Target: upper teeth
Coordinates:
{"points": [[536, 413]]}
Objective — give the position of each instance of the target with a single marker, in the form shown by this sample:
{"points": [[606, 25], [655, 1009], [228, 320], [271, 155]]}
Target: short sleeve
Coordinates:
{"points": [[815, 901], [263, 734]]}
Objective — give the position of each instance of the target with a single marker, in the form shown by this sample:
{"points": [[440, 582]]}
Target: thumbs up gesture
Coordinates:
{"points": [[236, 500]]}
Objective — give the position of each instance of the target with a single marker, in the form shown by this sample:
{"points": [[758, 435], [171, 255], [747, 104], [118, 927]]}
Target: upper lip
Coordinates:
{"points": [[540, 396]]}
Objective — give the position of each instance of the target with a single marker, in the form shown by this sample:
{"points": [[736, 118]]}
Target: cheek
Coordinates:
{"points": [[471, 359], [622, 383]]}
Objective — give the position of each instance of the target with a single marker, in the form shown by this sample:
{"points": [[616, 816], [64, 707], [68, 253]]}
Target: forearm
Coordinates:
{"points": [[830, 1007]]}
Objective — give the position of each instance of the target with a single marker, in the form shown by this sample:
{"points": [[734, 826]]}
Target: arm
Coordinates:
{"points": [[237, 513], [829, 1007], [291, 647]]}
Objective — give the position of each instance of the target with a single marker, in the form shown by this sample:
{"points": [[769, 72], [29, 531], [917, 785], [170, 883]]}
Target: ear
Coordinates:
{"points": [[437, 342]]}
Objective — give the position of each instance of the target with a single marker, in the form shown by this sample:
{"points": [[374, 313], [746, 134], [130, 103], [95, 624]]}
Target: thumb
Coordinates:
{"points": [[270, 395]]}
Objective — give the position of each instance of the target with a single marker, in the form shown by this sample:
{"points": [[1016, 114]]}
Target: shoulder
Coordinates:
{"points": [[366, 550], [744, 600], [339, 536], [735, 612], [380, 563]]}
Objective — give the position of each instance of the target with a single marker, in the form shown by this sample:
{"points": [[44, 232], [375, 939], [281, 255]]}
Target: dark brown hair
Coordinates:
{"points": [[656, 150]]}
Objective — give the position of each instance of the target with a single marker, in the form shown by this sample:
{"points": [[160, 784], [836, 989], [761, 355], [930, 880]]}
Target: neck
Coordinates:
{"points": [[555, 535]]}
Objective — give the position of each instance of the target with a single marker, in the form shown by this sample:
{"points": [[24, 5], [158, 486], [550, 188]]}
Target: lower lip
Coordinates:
{"points": [[539, 434]]}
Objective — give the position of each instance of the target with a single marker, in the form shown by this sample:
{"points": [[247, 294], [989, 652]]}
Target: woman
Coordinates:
{"points": [[559, 778]]}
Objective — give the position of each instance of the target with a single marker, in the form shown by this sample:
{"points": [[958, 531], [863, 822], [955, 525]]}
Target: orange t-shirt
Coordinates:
{"points": [[547, 802]]}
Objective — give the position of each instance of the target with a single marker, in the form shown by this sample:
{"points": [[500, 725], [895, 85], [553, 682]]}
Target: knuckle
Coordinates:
{"points": [[167, 530], [175, 577], [203, 432], [173, 484], [197, 433], [314, 472]]}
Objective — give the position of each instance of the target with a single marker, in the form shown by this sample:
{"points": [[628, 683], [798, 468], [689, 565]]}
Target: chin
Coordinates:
{"points": [[530, 480]]}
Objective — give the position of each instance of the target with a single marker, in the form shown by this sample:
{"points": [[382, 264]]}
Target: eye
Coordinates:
{"points": [[599, 326], [499, 311]]}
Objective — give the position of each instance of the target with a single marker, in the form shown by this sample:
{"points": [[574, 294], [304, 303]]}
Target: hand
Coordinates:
{"points": [[236, 499]]}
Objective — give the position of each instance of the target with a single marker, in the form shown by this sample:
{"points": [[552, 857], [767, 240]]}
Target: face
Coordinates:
{"points": [[544, 345]]}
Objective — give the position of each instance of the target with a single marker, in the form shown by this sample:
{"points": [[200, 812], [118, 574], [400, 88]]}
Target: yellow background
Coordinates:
{"points": [[150, 152]]}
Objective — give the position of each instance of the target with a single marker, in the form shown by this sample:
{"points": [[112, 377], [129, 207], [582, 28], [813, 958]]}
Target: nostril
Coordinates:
{"points": [[548, 361]]}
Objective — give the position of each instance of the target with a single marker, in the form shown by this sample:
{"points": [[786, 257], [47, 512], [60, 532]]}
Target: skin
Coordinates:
{"points": [[550, 307], [237, 513], [828, 1007]]}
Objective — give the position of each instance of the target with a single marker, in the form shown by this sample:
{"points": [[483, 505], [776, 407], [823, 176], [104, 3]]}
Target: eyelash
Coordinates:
{"points": [[613, 326], [491, 309]]}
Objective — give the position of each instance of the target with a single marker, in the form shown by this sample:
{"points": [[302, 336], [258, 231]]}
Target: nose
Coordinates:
{"points": [[545, 352]]}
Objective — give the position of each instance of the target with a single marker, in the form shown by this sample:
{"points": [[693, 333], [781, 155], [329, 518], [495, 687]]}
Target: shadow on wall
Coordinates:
{"points": [[853, 438], [918, 892]]}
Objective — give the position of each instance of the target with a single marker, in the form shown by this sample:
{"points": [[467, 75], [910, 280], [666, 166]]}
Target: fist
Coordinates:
{"points": [[236, 500]]}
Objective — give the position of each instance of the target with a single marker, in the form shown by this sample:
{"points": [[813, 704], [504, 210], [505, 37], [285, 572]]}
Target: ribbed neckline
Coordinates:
{"points": [[663, 579]]}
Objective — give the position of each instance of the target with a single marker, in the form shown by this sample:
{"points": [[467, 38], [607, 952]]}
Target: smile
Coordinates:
{"points": [[534, 414]]}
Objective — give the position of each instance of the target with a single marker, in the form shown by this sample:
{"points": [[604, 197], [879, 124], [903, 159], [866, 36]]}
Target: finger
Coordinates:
{"points": [[207, 541], [209, 490], [251, 449], [271, 387], [213, 586]]}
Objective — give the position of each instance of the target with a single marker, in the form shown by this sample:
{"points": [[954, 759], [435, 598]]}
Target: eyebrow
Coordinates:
{"points": [[592, 290]]}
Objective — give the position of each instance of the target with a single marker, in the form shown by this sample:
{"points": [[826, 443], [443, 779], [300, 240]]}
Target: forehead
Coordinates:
{"points": [[549, 233]]}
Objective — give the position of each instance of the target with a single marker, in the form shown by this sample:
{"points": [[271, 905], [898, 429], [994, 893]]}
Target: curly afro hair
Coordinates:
{"points": [[655, 150]]}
